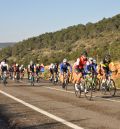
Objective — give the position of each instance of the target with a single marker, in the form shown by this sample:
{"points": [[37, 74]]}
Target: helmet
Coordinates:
{"points": [[3, 63], [64, 60], [31, 62], [16, 64], [94, 61], [90, 59], [107, 58], [52, 64], [84, 53], [37, 65]]}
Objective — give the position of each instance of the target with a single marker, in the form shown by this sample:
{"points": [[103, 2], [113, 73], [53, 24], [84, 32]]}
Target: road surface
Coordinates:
{"points": [[45, 106]]}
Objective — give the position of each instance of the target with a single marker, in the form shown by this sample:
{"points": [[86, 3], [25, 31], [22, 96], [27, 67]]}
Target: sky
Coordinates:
{"points": [[22, 19]]}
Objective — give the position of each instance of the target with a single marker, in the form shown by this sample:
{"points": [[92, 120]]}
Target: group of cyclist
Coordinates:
{"points": [[34, 70], [12, 71], [83, 66]]}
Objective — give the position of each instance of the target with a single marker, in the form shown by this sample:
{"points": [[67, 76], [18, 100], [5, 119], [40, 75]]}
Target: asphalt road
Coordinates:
{"points": [[45, 106]]}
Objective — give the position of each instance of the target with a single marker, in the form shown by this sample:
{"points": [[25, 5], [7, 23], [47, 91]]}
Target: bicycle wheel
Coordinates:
{"points": [[103, 88], [66, 84], [4, 81], [32, 81], [97, 84], [77, 91], [18, 77], [55, 81], [112, 87], [88, 90]]}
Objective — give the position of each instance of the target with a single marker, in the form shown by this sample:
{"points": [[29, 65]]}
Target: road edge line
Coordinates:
{"points": [[69, 124]]}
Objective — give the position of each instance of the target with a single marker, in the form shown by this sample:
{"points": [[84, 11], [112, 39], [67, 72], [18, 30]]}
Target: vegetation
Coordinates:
{"points": [[98, 39]]}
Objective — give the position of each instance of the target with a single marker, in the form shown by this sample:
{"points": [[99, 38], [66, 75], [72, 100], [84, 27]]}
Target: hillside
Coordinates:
{"points": [[98, 39]]}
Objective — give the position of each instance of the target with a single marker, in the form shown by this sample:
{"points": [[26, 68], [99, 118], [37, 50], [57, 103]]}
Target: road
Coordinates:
{"points": [[46, 106]]}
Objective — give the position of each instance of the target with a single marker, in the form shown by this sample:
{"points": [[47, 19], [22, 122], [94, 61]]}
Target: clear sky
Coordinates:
{"points": [[21, 19]]}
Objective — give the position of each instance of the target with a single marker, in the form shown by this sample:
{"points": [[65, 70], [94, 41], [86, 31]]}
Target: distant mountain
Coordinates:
{"points": [[97, 38], [6, 44]]}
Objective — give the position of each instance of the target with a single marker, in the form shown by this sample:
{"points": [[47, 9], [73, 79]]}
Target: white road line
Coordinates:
{"points": [[82, 94], [59, 89], [112, 100], [42, 111]]}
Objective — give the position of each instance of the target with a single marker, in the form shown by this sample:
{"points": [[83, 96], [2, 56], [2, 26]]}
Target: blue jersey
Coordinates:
{"points": [[64, 67], [91, 68]]}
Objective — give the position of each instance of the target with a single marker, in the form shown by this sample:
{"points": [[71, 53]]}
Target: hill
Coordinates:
{"points": [[98, 39]]}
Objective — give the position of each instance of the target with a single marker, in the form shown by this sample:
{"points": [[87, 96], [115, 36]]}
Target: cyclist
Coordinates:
{"points": [[32, 69], [22, 70], [64, 69], [28, 71], [37, 69], [79, 69], [55, 70], [4, 67], [91, 67], [104, 67], [51, 70], [11, 70], [14, 70], [17, 71], [37, 72]]}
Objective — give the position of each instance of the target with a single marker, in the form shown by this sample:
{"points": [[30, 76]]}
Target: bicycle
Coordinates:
{"points": [[65, 80], [32, 79], [108, 86], [79, 88], [55, 78], [92, 84], [17, 76], [88, 85], [38, 77], [4, 78]]}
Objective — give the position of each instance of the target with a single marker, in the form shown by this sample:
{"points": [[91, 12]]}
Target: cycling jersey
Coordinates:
{"points": [[64, 67], [90, 68], [80, 63], [11, 69], [4, 66], [21, 70], [32, 68], [17, 69], [105, 66], [37, 70]]}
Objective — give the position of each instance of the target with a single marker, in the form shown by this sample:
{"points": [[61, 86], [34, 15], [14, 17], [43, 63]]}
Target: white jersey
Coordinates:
{"points": [[52, 66], [3, 64]]}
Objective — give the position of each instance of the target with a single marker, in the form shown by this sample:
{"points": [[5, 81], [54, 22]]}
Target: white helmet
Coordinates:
{"points": [[52, 64], [64, 60], [94, 61], [37, 65], [21, 65], [31, 62], [16, 64], [90, 59]]}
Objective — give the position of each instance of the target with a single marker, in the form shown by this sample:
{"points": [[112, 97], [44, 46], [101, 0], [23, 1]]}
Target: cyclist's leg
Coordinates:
{"points": [[51, 74], [78, 76], [54, 76]]}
